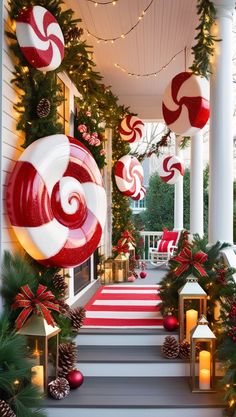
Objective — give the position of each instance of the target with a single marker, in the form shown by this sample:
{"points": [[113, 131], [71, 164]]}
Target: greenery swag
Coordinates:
{"points": [[220, 286]]}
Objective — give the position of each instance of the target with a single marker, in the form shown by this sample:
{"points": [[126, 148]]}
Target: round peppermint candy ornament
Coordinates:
{"points": [[131, 129], [40, 38], [185, 104], [171, 169], [56, 201], [129, 175]]}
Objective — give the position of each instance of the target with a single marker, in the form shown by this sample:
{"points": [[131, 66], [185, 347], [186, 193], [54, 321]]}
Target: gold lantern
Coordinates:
{"points": [[190, 292], [120, 268], [203, 375], [42, 343], [108, 273]]}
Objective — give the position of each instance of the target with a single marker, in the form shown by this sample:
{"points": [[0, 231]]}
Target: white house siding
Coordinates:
{"points": [[11, 139]]}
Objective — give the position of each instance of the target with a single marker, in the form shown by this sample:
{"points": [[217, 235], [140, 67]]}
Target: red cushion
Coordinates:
{"points": [[168, 235], [164, 245]]}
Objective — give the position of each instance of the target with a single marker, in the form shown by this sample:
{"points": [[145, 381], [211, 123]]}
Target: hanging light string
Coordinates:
{"points": [[150, 74], [123, 35], [96, 3]]}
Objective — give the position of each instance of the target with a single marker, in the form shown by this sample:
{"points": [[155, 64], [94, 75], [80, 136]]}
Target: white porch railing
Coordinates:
{"points": [[149, 241]]}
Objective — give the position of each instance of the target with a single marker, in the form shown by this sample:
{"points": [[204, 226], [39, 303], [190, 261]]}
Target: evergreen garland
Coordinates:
{"points": [[15, 376], [18, 271], [204, 47], [218, 283]]}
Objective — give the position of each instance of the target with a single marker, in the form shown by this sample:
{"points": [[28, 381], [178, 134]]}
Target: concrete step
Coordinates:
{"points": [[125, 361], [135, 397], [122, 337]]}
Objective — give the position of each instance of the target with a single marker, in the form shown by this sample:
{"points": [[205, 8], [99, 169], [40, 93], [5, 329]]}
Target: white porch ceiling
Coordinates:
{"points": [[167, 28]]}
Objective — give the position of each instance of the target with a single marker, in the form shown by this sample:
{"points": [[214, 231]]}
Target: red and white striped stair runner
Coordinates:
{"points": [[124, 306]]}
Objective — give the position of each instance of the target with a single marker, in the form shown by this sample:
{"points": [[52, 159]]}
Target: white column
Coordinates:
{"points": [[107, 234], [196, 185], [221, 129], [179, 201]]}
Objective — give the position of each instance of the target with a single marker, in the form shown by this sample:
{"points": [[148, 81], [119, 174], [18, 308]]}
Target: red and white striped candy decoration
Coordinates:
{"points": [[40, 38], [128, 175], [185, 104], [131, 129], [56, 201], [140, 195], [171, 169]]}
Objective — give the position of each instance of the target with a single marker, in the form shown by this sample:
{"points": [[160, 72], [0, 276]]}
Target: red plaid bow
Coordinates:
{"points": [[186, 259], [40, 303]]}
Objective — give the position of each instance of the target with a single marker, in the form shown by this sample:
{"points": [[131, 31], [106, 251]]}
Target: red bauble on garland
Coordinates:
{"points": [[170, 323], [75, 378], [143, 274]]}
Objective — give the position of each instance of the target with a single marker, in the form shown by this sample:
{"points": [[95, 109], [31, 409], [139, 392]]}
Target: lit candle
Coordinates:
{"points": [[191, 322], [120, 275], [204, 360], [204, 379], [37, 378]]}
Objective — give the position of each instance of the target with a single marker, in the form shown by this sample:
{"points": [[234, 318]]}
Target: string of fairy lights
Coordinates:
{"points": [[122, 35], [98, 3], [154, 73]]}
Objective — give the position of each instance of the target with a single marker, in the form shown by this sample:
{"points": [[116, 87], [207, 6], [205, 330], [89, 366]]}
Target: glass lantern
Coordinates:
{"points": [[120, 268], [190, 293], [131, 250], [42, 344], [203, 375], [108, 273]]}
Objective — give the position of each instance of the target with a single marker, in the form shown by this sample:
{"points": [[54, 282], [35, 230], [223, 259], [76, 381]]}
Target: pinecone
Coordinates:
{"points": [[67, 358], [170, 347], [5, 410], [43, 108], [76, 316], [59, 388], [63, 306], [60, 284], [184, 350]]}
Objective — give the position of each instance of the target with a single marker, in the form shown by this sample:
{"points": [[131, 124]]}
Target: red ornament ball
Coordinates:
{"points": [[170, 323], [75, 378], [143, 274]]}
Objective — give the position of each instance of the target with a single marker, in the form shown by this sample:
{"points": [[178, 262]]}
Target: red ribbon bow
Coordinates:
{"points": [[186, 259], [121, 247], [38, 303], [128, 236]]}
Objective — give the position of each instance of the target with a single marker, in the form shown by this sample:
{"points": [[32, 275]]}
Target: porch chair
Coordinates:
{"points": [[166, 246]]}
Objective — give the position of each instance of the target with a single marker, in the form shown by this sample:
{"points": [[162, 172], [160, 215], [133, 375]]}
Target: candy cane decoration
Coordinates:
{"points": [[129, 175], [131, 129], [56, 201], [185, 104], [171, 169], [140, 195], [40, 38]]}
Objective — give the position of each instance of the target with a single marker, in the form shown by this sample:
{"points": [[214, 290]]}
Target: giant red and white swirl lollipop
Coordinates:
{"points": [[56, 201], [131, 129], [171, 169], [140, 195], [40, 38], [129, 175], [185, 104]]}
